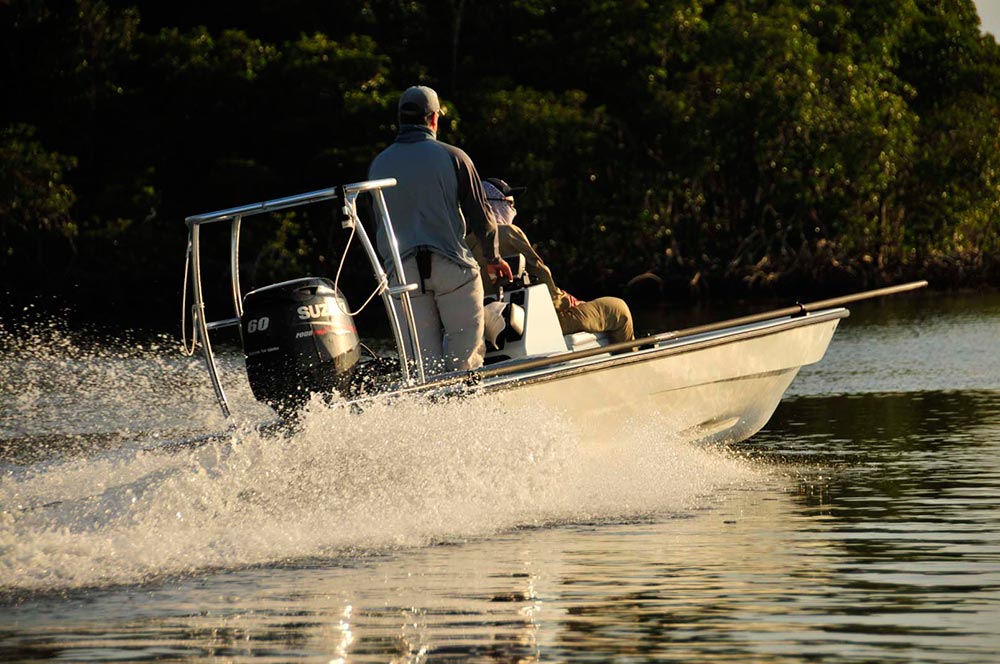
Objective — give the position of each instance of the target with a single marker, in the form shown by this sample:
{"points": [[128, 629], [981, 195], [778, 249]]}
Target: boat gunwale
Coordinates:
{"points": [[682, 345], [563, 366]]}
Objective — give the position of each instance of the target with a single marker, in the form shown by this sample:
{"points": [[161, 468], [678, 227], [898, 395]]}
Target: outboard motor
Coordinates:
{"points": [[298, 340]]}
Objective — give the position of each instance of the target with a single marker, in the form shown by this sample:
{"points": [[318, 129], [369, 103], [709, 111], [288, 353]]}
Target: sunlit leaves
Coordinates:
{"points": [[35, 201], [33, 194]]}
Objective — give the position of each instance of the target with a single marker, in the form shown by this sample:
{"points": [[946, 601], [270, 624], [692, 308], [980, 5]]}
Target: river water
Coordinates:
{"points": [[861, 525]]}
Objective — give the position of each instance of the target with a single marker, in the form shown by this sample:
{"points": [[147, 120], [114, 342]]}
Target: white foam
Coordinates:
{"points": [[408, 474], [404, 474]]}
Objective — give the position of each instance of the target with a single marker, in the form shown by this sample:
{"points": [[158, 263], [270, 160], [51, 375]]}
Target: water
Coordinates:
{"points": [[861, 525]]}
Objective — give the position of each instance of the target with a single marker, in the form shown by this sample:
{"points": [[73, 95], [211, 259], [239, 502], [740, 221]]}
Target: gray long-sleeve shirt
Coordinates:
{"points": [[437, 200]]}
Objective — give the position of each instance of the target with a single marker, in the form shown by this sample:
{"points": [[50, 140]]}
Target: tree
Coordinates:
{"points": [[35, 202]]}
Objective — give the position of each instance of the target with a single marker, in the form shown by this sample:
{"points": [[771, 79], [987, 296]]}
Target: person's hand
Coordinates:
{"points": [[499, 270]]}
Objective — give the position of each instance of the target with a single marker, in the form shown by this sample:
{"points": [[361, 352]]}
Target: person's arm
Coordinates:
{"points": [[513, 240], [518, 242]]}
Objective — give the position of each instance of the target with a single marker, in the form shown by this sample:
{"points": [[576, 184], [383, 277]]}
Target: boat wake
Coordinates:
{"points": [[408, 474]]}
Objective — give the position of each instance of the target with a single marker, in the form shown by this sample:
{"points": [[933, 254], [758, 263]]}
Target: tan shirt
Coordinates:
{"points": [[513, 241]]}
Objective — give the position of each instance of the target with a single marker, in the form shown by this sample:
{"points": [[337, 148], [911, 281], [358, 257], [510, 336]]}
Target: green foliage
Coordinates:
{"points": [[953, 194], [554, 143], [35, 202], [738, 144]]}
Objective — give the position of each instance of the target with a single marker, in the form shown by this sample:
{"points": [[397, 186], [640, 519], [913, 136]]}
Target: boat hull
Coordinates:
{"points": [[719, 387]]}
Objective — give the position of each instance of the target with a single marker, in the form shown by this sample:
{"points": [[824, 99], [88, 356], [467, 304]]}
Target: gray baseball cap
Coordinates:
{"points": [[420, 100]]}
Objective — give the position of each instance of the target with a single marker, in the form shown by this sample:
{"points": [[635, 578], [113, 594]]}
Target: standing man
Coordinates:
{"points": [[437, 200]]}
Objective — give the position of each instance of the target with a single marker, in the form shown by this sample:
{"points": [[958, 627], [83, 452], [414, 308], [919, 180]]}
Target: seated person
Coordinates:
{"points": [[604, 314]]}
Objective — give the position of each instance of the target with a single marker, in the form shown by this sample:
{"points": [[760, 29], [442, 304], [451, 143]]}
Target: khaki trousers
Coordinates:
{"points": [[604, 314], [448, 315]]}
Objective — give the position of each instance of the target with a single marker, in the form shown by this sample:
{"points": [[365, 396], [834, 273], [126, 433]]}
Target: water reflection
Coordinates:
{"points": [[761, 573], [905, 486], [869, 534], [866, 528]]}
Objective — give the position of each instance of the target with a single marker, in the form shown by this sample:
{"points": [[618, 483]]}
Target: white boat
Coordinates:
{"points": [[716, 382]]}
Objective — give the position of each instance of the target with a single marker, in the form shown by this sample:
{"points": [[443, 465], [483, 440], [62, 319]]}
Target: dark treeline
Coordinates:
{"points": [[726, 147]]}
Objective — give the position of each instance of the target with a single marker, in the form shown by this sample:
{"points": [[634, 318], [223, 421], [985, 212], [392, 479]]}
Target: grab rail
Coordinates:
{"points": [[398, 291], [297, 200]]}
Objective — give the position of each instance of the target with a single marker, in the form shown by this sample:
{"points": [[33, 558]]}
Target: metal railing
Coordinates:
{"points": [[348, 195]]}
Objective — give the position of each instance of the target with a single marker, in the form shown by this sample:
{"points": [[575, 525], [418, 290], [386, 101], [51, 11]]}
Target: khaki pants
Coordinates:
{"points": [[448, 315], [605, 314]]}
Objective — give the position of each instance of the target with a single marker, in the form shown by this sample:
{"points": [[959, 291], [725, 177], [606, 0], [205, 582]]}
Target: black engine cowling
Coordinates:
{"points": [[298, 340]]}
